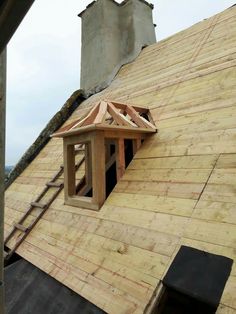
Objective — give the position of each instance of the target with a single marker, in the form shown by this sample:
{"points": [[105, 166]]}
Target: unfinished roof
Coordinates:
{"points": [[178, 190]]}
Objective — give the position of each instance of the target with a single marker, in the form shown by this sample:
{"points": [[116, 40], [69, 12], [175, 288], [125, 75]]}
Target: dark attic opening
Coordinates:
{"points": [[98, 148], [111, 167], [194, 283], [111, 172]]}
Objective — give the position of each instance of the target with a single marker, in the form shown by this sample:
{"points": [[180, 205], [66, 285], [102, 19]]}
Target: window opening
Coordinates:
{"points": [[108, 137]]}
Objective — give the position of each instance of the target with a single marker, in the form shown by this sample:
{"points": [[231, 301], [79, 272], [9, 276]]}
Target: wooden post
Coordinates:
{"points": [[120, 161], [88, 165], [98, 168], [11, 14], [2, 171], [69, 169]]}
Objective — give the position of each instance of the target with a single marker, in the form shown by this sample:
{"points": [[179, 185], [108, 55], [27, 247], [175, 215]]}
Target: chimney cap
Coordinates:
{"points": [[118, 4]]}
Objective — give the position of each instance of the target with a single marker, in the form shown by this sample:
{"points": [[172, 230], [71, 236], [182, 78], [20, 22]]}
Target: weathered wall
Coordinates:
{"points": [[112, 35]]}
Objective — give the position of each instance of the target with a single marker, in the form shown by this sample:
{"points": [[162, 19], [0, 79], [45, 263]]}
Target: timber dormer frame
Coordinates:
{"points": [[102, 135]]}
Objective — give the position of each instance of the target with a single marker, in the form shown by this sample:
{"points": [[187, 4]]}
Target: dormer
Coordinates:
{"points": [[98, 147]]}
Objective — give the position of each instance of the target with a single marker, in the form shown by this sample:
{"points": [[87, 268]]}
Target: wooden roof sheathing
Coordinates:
{"points": [[179, 189]]}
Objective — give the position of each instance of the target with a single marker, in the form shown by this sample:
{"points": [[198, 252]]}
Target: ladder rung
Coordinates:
{"points": [[20, 227], [54, 184], [40, 205]]}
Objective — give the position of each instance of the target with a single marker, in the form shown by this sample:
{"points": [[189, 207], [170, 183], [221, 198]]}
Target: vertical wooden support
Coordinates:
{"points": [[98, 168], [120, 159], [2, 169], [69, 169], [88, 165]]}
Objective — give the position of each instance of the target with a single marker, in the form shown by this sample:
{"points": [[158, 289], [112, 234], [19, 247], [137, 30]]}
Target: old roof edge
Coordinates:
{"points": [[118, 4], [57, 120]]}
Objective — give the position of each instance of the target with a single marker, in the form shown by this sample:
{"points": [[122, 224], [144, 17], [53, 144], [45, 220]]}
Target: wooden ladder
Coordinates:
{"points": [[36, 204]]}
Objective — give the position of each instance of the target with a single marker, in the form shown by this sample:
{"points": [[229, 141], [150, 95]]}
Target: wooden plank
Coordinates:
{"points": [[136, 118], [101, 113], [167, 175], [96, 291], [37, 204], [69, 227], [161, 204], [213, 142], [216, 211], [219, 193], [212, 232], [21, 227], [110, 255], [228, 297], [180, 162], [161, 222], [222, 309], [118, 118], [226, 161], [213, 119], [88, 119], [169, 189]]}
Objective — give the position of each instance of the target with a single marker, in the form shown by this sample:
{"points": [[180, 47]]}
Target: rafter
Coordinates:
{"points": [[109, 113]]}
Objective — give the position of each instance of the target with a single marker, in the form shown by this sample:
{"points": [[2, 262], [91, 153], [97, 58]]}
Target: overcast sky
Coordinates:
{"points": [[44, 60]]}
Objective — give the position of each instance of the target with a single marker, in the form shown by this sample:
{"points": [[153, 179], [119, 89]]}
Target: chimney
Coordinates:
{"points": [[113, 34]]}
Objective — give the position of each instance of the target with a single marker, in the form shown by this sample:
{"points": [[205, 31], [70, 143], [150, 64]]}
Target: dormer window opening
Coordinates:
{"points": [[98, 149]]}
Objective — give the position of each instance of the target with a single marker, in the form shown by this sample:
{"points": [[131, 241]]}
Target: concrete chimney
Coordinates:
{"points": [[113, 34]]}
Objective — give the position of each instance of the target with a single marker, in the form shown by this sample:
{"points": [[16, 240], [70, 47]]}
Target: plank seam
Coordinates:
{"points": [[205, 185]]}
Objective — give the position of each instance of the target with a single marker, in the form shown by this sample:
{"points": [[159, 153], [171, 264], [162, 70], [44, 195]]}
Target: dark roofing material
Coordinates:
{"points": [[29, 290], [199, 274]]}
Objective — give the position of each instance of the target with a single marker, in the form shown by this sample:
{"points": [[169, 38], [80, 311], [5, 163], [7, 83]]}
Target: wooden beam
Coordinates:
{"points": [[69, 170], [120, 119], [100, 118], [70, 125], [2, 168], [89, 118], [123, 106], [98, 168], [140, 121], [12, 13]]}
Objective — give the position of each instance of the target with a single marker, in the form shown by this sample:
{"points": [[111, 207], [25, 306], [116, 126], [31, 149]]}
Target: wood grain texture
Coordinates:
{"points": [[180, 188]]}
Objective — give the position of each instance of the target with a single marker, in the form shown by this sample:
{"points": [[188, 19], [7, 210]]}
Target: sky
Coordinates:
{"points": [[43, 62]]}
